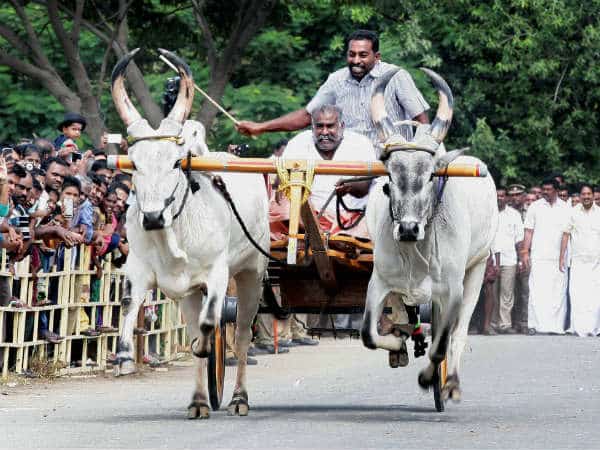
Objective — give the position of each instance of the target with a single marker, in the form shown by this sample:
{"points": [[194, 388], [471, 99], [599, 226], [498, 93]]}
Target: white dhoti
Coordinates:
{"points": [[584, 288], [547, 297]]}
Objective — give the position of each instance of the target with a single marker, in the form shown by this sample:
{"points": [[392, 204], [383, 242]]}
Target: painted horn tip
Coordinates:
{"points": [[439, 83], [122, 64], [176, 61]]}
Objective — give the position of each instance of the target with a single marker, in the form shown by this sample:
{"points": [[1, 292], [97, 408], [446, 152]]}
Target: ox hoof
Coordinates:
{"points": [[200, 351], [125, 367], [399, 358], [451, 390], [426, 376], [238, 406], [198, 411]]}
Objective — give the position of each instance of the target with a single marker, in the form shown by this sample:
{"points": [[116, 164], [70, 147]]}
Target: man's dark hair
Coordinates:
{"points": [[500, 188], [98, 151], [364, 35], [31, 148], [36, 172], [597, 188], [97, 179], [20, 148], [36, 184], [279, 144], [551, 181], [118, 178], [71, 181], [585, 185], [115, 185], [46, 147], [19, 171], [48, 162], [558, 175], [99, 165]]}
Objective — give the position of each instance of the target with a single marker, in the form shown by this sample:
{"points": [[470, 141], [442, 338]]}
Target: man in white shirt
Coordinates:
{"points": [[329, 141], [544, 225], [583, 231], [508, 235]]}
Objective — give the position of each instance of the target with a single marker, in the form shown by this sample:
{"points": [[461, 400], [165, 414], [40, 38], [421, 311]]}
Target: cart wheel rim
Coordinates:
{"points": [[216, 368]]}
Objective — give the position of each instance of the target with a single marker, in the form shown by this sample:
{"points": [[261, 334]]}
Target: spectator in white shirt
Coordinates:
{"points": [[508, 236], [583, 232], [544, 225]]}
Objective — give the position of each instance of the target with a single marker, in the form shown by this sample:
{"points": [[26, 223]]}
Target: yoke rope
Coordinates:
{"points": [[285, 184]]}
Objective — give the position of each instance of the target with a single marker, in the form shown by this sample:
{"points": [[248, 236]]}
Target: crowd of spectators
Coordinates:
{"points": [[544, 275], [54, 195]]}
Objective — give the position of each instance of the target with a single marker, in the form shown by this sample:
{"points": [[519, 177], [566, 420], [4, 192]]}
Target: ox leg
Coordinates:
{"points": [[133, 297], [249, 286], [210, 315], [458, 338], [450, 313], [376, 294], [190, 307]]}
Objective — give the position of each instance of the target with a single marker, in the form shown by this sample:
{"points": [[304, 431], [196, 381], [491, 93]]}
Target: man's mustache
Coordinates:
{"points": [[326, 137]]}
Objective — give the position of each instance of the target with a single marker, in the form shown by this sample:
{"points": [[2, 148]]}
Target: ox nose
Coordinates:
{"points": [[409, 231], [153, 220]]}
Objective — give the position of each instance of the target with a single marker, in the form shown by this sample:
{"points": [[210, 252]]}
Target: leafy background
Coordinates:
{"points": [[524, 72]]}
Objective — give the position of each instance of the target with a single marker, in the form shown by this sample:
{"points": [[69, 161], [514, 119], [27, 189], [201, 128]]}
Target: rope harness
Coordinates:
{"points": [[286, 184]]}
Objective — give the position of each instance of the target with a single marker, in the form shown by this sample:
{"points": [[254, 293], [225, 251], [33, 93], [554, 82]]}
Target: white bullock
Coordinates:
{"points": [[184, 239], [429, 244]]}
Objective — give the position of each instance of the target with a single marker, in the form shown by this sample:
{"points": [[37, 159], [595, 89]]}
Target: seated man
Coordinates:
{"points": [[327, 141]]}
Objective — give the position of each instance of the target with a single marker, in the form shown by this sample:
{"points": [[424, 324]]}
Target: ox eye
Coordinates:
{"points": [[177, 164], [386, 189]]}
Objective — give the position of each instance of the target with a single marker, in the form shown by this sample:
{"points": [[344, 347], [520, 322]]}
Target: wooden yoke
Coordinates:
{"points": [[297, 175]]}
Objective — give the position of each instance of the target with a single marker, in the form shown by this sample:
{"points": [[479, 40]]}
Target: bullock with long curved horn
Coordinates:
{"points": [[431, 236], [183, 237]]}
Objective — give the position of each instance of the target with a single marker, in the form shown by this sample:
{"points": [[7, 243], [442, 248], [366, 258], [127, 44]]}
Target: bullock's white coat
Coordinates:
{"points": [[202, 248], [447, 266]]}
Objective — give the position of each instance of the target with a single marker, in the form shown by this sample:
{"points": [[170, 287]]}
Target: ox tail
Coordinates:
{"points": [[271, 302]]}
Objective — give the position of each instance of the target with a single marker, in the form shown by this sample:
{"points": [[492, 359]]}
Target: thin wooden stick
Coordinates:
{"points": [[208, 97]]}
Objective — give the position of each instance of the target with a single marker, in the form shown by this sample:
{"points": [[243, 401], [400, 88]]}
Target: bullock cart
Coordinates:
{"points": [[315, 272]]}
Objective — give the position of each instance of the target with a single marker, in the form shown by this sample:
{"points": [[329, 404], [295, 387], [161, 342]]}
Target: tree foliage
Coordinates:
{"points": [[523, 72]]}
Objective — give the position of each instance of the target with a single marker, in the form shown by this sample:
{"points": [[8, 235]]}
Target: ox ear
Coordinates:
{"points": [[443, 160], [194, 136]]}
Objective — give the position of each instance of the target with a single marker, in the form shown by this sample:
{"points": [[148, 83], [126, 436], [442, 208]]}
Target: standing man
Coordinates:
{"points": [[583, 229], [545, 223], [520, 201], [508, 237], [516, 196], [597, 195], [537, 191], [350, 89]]}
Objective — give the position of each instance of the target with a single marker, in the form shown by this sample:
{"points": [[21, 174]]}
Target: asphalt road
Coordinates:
{"points": [[538, 392]]}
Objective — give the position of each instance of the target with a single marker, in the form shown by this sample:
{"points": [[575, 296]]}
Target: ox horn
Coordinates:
{"points": [[125, 108], [382, 122], [183, 105], [443, 116]]}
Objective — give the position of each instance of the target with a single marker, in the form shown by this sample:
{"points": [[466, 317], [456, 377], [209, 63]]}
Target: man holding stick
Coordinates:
{"points": [[350, 89]]}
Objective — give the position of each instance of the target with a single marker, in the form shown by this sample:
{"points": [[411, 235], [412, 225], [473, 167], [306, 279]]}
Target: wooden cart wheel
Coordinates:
{"points": [[216, 367], [442, 369]]}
